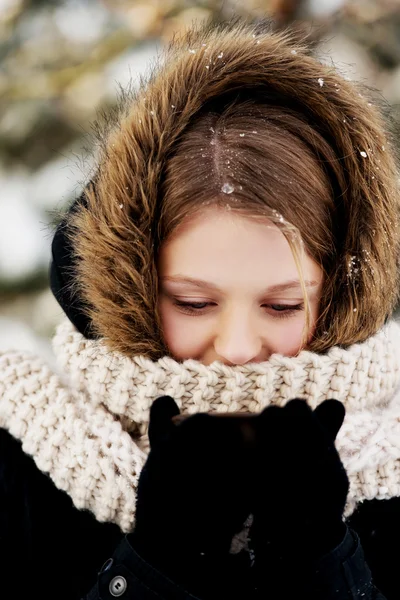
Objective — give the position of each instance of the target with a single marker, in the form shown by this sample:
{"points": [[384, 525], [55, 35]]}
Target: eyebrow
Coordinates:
{"points": [[273, 289]]}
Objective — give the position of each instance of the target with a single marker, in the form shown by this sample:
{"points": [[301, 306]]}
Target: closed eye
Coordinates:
{"points": [[277, 310]]}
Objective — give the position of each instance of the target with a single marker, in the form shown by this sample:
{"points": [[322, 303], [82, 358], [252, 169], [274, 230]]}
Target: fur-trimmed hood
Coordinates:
{"points": [[111, 231]]}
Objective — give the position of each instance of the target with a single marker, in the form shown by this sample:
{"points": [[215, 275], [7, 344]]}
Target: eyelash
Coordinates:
{"points": [[198, 308]]}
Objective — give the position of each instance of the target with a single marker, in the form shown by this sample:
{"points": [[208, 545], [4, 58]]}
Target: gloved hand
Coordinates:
{"points": [[193, 497], [301, 484]]}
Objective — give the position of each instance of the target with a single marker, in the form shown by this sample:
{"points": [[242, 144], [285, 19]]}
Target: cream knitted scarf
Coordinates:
{"points": [[86, 428]]}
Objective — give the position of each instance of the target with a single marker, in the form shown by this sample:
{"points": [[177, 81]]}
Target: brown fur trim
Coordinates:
{"points": [[114, 237]]}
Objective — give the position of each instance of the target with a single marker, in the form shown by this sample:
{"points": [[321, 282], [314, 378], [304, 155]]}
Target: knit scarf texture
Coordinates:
{"points": [[85, 421]]}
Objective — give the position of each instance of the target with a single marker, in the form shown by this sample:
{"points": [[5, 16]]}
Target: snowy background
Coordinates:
{"points": [[63, 61]]}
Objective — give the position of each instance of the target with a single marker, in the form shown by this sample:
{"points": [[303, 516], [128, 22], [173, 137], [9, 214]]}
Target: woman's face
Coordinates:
{"points": [[230, 290]]}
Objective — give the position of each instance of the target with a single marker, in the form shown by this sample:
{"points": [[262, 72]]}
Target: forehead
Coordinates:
{"points": [[223, 247], [218, 226]]}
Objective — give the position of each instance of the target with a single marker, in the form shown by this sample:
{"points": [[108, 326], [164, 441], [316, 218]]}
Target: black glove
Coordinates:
{"points": [[193, 497], [301, 484]]}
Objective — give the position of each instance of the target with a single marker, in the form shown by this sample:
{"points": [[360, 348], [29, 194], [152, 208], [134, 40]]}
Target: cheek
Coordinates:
{"points": [[286, 337], [184, 336]]}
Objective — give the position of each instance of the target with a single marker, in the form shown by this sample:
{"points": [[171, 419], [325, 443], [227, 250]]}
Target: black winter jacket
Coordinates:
{"points": [[50, 549]]}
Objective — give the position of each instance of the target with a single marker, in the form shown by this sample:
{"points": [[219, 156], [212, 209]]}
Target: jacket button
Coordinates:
{"points": [[118, 586]]}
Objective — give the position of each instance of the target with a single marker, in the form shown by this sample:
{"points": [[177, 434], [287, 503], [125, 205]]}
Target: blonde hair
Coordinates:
{"points": [[272, 165]]}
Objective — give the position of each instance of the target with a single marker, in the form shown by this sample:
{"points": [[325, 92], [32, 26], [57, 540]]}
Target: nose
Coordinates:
{"points": [[237, 342]]}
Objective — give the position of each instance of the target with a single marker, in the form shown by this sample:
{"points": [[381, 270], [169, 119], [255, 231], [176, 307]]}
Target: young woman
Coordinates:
{"points": [[237, 247]]}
